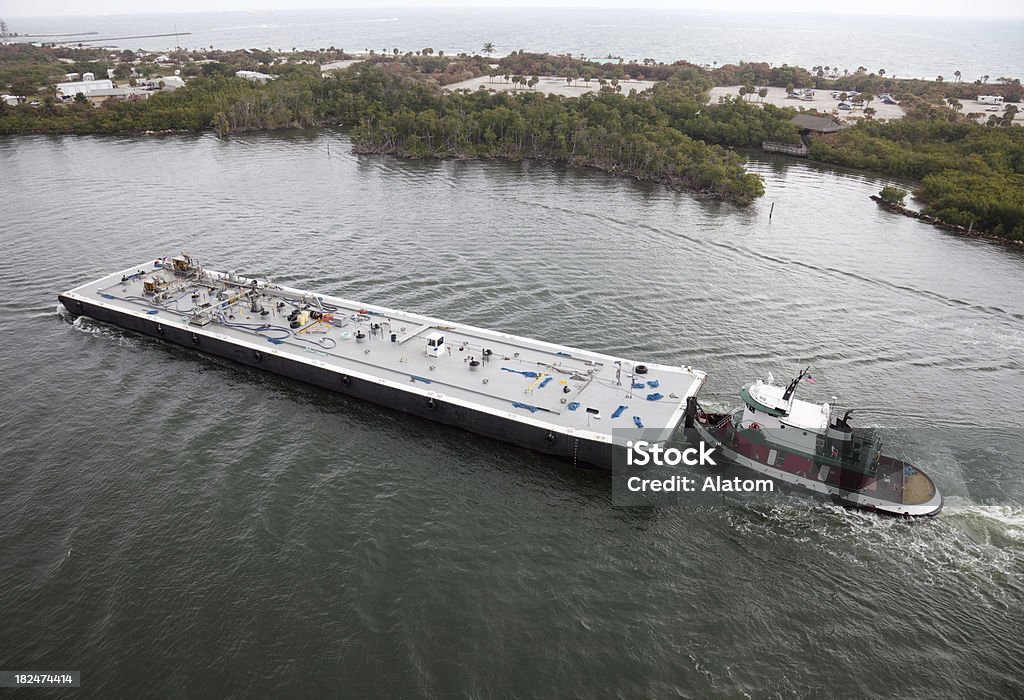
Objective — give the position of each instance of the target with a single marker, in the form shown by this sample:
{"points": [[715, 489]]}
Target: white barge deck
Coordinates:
{"points": [[551, 398]]}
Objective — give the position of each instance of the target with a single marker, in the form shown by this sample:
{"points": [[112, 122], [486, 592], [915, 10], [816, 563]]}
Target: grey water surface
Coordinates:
{"points": [[172, 525]]}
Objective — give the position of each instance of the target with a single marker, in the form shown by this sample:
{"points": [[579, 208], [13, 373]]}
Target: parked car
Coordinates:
{"points": [[844, 106]]}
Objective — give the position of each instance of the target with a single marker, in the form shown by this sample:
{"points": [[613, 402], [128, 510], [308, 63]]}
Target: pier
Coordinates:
{"points": [[791, 149]]}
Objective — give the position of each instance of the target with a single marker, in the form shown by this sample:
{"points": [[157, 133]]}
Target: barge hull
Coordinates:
{"points": [[581, 451]]}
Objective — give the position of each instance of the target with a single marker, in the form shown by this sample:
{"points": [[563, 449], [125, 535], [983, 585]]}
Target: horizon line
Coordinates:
{"points": [[539, 6]]}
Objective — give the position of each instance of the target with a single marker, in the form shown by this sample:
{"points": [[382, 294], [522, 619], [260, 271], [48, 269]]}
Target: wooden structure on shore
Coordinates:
{"points": [[790, 149], [809, 124]]}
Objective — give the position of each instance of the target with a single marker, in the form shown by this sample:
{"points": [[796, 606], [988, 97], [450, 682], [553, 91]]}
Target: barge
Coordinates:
{"points": [[553, 399]]}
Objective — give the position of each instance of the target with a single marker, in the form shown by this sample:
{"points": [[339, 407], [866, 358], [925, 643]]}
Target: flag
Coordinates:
{"points": [[810, 380]]}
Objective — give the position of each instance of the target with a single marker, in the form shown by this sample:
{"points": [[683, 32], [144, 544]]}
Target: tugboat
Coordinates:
{"points": [[802, 443]]}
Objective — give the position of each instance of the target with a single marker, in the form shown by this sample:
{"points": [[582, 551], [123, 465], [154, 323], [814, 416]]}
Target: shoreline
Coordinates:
{"points": [[675, 133], [944, 225], [676, 185]]}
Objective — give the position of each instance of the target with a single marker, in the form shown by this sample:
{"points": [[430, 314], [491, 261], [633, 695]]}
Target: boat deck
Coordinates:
{"points": [[569, 390]]}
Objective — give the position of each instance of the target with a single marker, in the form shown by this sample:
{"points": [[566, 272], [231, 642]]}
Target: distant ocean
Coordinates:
{"points": [[903, 46]]}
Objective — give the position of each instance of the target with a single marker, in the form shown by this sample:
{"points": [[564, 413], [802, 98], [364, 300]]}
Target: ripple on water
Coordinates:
{"points": [[160, 508]]}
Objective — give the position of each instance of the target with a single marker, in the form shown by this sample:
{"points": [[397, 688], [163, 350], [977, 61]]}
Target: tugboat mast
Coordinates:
{"points": [[793, 384]]}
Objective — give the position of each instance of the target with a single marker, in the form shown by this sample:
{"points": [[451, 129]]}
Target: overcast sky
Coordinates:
{"points": [[924, 8]]}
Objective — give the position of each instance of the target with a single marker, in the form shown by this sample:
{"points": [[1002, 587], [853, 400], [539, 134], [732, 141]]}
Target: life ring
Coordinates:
{"points": [[755, 426]]}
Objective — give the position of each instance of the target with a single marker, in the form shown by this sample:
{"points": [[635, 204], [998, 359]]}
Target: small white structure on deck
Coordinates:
{"points": [[435, 344], [781, 418]]}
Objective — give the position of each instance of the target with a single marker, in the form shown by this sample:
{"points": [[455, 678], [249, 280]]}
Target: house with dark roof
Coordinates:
{"points": [[808, 124], [814, 124]]}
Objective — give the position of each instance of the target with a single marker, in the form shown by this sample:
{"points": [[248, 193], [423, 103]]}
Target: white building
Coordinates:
{"points": [[69, 90], [989, 99], [170, 82], [98, 97], [254, 75]]}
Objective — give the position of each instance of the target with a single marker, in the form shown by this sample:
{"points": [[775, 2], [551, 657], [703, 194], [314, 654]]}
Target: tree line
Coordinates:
{"points": [[971, 174], [643, 136], [631, 136]]}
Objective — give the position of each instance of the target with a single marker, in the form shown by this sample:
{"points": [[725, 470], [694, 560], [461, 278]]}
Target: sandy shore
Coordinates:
{"points": [[551, 85], [823, 102]]}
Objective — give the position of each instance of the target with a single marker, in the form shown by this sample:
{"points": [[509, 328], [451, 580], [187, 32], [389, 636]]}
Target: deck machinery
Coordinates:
{"points": [[550, 398]]}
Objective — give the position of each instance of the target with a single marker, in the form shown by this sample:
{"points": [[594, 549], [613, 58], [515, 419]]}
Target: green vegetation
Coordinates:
{"points": [[219, 102], [643, 136], [632, 136], [990, 203], [25, 68], [971, 174], [893, 195]]}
